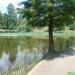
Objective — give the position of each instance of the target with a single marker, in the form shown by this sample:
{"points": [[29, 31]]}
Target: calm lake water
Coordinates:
{"points": [[22, 52], [11, 44]]}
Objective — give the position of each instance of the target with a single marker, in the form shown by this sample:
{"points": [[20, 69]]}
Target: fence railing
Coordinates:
{"points": [[20, 67]]}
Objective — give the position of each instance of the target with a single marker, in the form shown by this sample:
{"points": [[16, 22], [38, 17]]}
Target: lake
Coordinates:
{"points": [[10, 44], [22, 52]]}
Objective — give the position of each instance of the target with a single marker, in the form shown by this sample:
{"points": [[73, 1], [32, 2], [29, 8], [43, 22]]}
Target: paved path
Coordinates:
{"points": [[56, 66]]}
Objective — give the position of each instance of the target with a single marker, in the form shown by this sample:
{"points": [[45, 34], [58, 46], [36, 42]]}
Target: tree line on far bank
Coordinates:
{"points": [[8, 21], [12, 20]]}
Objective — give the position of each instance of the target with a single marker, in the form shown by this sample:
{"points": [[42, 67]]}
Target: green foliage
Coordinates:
{"points": [[12, 16], [38, 12], [5, 21], [54, 13], [72, 26], [1, 20], [8, 20]]}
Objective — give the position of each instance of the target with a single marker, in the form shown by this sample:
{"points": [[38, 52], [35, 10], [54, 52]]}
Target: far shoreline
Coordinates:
{"points": [[39, 34]]}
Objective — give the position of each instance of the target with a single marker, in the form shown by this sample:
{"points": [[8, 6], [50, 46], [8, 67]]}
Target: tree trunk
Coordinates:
{"points": [[51, 40]]}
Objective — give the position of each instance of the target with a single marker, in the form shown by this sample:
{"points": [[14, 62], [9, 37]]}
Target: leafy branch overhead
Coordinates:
{"points": [[52, 13], [39, 11]]}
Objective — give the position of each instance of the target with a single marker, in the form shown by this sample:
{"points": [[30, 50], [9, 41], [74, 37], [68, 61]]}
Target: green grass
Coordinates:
{"points": [[65, 34], [41, 34], [25, 34]]}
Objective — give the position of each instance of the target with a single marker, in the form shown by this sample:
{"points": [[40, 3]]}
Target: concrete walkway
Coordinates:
{"points": [[57, 66]]}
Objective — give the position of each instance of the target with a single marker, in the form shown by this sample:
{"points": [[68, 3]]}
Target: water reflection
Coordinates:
{"points": [[72, 42], [10, 44], [4, 61], [64, 43], [23, 56], [13, 49], [20, 54]]}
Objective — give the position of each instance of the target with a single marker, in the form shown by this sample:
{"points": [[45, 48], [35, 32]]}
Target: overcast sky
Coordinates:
{"points": [[4, 4]]}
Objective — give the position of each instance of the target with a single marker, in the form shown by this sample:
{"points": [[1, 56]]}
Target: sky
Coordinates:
{"points": [[4, 4]]}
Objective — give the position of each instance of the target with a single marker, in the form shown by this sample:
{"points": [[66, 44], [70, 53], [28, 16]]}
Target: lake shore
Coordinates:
{"points": [[58, 65], [41, 34]]}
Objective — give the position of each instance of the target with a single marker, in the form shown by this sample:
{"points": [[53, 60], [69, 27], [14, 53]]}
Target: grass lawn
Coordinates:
{"points": [[42, 34]]}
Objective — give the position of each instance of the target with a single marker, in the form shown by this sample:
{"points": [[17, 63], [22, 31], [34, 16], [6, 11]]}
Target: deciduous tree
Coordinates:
{"points": [[54, 13], [12, 16]]}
